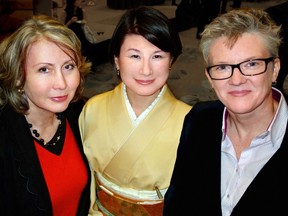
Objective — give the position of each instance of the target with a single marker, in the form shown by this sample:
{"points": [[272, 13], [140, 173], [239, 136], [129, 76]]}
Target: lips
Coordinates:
{"points": [[144, 82], [59, 98], [239, 93]]}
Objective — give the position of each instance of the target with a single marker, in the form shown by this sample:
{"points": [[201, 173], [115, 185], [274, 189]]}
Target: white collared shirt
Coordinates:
{"points": [[236, 175]]}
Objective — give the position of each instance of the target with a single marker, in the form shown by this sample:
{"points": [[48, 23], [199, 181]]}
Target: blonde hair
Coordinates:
{"points": [[237, 22], [13, 54]]}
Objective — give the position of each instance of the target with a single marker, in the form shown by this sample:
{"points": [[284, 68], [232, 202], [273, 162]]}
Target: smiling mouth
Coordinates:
{"points": [[60, 98], [239, 93], [144, 82]]}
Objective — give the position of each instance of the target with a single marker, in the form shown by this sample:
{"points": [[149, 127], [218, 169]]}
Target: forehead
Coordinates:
{"points": [[247, 46], [45, 50], [137, 42]]}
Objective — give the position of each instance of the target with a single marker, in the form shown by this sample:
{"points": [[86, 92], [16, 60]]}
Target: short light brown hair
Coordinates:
{"points": [[237, 22]]}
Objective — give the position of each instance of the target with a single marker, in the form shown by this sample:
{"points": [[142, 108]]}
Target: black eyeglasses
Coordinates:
{"points": [[251, 67]]}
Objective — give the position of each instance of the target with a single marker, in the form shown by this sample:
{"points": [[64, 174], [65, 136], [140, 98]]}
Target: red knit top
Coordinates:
{"points": [[65, 175]]}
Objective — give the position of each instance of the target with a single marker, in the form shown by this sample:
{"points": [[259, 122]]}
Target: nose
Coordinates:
{"points": [[59, 81], [237, 76], [146, 68]]}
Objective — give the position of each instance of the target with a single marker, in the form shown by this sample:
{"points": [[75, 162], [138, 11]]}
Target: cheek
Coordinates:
{"points": [[129, 71], [74, 81], [218, 87], [36, 96], [262, 81], [161, 68], [40, 85], [165, 75]]}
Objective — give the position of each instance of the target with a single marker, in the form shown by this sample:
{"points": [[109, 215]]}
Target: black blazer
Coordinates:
{"points": [[195, 187], [23, 190]]}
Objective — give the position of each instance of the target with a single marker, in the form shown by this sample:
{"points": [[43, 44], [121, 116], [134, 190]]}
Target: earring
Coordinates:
{"points": [[170, 66], [20, 90], [118, 71], [274, 83]]}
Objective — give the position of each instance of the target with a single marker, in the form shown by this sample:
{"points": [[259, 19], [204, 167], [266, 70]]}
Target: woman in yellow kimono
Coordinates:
{"points": [[131, 134]]}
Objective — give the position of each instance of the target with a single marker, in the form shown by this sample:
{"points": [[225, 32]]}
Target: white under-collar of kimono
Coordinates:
{"points": [[136, 120]]}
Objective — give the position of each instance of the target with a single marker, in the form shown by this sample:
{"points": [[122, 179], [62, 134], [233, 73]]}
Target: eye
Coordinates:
{"points": [[44, 70], [252, 63], [157, 56], [135, 56], [69, 66], [222, 68]]}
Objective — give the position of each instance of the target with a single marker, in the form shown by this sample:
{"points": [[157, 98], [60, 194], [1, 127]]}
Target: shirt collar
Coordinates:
{"points": [[279, 122]]}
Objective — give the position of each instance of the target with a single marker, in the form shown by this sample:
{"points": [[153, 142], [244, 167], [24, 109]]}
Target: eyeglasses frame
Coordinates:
{"points": [[266, 60]]}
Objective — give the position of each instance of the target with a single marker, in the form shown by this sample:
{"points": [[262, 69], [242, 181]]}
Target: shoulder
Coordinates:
{"points": [[204, 116], [96, 104], [74, 109], [99, 98], [169, 96], [7, 114], [103, 97], [76, 106], [206, 110], [184, 105], [10, 122], [3, 120], [214, 105], [182, 108]]}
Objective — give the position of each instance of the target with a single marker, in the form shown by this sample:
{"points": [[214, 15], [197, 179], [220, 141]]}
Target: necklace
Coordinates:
{"points": [[55, 138]]}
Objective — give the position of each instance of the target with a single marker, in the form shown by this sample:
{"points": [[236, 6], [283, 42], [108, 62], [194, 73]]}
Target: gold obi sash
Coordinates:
{"points": [[110, 202]]}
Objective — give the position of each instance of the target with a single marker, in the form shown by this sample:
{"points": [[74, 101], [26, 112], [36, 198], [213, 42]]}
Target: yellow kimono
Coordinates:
{"points": [[133, 162]]}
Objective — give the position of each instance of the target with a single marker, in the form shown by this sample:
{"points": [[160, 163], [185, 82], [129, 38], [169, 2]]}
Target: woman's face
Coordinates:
{"points": [[239, 93], [144, 68], [52, 77]]}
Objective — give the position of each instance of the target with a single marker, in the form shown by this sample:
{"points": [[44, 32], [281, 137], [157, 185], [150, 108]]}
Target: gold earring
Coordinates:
{"points": [[274, 83], [118, 71], [20, 90]]}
